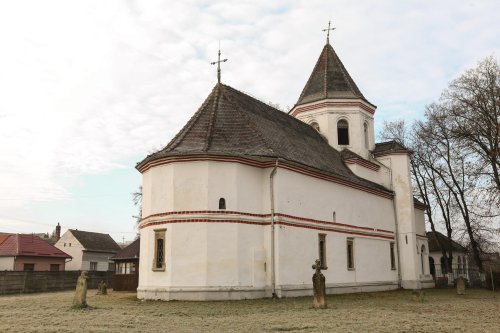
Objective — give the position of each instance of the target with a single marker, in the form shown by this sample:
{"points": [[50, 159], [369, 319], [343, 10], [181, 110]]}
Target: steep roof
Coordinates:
{"points": [[434, 246], [329, 80], [232, 123], [392, 146], [94, 241], [29, 245], [130, 252]]}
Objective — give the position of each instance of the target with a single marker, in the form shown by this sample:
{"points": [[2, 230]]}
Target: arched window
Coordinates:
{"points": [[422, 258], [222, 203], [432, 267], [343, 132], [444, 266], [365, 130], [315, 125]]}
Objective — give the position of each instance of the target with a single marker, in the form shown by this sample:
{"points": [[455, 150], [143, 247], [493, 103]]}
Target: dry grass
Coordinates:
{"points": [[442, 311]]}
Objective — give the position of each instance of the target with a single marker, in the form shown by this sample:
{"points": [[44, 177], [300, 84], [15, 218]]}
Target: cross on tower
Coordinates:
{"points": [[328, 33], [218, 65]]}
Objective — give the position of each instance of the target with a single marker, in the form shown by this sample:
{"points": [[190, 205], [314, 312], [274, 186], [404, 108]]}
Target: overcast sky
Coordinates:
{"points": [[89, 88]]}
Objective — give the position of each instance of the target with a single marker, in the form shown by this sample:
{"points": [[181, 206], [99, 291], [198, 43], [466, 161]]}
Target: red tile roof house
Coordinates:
{"points": [[21, 252]]}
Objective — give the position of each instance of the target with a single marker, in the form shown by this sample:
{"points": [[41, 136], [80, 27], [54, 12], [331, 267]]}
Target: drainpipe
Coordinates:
{"points": [[273, 271], [396, 220]]}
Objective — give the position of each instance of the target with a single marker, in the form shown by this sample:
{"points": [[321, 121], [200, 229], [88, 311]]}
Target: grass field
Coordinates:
{"points": [[442, 311]]}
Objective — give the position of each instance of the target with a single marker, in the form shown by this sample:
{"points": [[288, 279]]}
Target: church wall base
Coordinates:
{"points": [[337, 288], [231, 293], [200, 294], [418, 284]]}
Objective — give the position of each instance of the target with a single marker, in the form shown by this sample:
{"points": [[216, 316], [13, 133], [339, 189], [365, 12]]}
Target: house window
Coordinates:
{"points": [[111, 267], [459, 266], [54, 267], [322, 250], [343, 132], [222, 203], [159, 257], [393, 257], [365, 130], [350, 254], [93, 266], [29, 267]]}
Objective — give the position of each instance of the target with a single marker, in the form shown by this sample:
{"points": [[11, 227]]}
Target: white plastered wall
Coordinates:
{"points": [[69, 244], [6, 263]]}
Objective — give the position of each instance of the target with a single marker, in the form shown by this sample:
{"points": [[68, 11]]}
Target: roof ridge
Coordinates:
{"points": [[183, 132], [245, 117], [211, 122]]}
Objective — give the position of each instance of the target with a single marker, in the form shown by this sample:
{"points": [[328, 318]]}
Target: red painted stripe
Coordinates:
{"points": [[265, 223], [366, 164], [267, 164], [215, 212]]}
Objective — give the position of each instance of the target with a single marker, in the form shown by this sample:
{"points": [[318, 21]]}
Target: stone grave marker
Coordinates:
{"points": [[102, 288], [461, 286], [80, 299], [319, 301]]}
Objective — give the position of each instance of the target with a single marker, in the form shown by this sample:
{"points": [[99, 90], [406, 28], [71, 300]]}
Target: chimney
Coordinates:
{"points": [[58, 232]]}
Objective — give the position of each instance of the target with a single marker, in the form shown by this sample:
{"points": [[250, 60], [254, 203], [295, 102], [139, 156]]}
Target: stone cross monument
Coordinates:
{"points": [[80, 299], [318, 279]]}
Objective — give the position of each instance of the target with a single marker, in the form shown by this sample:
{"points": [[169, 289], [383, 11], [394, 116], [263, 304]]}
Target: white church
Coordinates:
{"points": [[245, 198]]}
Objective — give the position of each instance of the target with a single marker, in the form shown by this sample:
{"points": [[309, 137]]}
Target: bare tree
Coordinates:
{"points": [[137, 200], [473, 106]]}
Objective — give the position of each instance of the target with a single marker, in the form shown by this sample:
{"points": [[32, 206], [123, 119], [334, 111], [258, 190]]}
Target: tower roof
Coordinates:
{"points": [[329, 80], [232, 123]]}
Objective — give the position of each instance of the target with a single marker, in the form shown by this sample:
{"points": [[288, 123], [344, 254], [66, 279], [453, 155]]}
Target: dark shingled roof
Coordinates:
{"points": [[434, 246], [94, 241], [348, 154], [130, 252], [389, 147], [329, 79], [232, 123]]}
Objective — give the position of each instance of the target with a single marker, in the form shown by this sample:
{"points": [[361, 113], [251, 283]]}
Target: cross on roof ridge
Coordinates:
{"points": [[328, 32], [218, 64]]}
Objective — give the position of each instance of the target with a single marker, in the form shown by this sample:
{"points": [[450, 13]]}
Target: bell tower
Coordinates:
{"points": [[333, 104]]}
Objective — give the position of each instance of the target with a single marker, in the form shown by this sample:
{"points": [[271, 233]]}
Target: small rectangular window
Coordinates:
{"points": [[159, 257], [93, 266], [322, 250], [29, 267], [350, 254], [54, 267], [393, 257]]}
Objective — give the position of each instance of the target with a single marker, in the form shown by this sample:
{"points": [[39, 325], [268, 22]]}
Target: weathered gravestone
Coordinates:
{"points": [[319, 301], [418, 295], [80, 299], [461, 286], [102, 288]]}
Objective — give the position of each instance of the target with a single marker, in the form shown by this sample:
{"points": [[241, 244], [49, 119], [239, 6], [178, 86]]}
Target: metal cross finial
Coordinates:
{"points": [[328, 33], [218, 65]]}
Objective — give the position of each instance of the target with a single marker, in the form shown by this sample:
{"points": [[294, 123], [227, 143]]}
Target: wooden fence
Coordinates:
{"points": [[32, 282]]}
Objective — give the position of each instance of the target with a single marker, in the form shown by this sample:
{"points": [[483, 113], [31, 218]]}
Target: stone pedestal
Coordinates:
{"points": [[318, 279]]}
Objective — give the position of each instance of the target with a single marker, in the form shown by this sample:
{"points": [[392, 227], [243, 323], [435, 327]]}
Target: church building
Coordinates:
{"points": [[245, 198]]}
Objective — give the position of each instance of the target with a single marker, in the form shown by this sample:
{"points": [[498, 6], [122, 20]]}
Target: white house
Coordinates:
{"points": [[245, 197], [437, 262], [91, 251]]}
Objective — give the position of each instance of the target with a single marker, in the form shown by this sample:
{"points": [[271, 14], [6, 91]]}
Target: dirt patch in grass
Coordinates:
{"points": [[442, 311]]}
